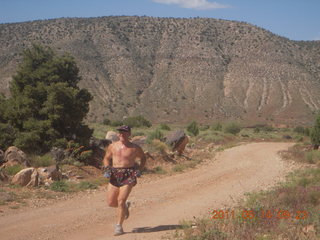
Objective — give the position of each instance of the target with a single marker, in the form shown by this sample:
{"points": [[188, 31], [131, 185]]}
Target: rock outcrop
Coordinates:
{"points": [[3, 176], [112, 136], [1, 157], [14, 156], [52, 172], [32, 177], [177, 140], [23, 178]]}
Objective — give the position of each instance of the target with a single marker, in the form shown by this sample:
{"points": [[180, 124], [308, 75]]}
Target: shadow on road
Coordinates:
{"points": [[156, 229]]}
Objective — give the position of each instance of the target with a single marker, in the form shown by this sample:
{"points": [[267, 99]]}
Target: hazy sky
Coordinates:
{"points": [[294, 19]]}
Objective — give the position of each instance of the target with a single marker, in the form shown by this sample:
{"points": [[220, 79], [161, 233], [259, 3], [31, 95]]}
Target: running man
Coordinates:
{"points": [[121, 167]]}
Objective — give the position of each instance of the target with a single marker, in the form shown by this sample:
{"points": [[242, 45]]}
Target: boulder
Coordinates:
{"points": [[175, 137], [23, 177], [14, 156], [99, 143], [177, 140], [1, 157], [139, 140], [112, 136], [181, 145], [53, 173], [3, 176], [34, 180]]}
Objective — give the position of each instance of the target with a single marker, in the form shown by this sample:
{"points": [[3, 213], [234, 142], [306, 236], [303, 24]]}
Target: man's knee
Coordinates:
{"points": [[112, 203], [121, 202]]}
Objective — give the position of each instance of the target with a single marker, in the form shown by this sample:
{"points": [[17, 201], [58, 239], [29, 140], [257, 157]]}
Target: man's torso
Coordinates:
{"points": [[124, 156]]}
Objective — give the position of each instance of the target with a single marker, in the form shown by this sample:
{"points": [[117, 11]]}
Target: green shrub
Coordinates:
{"points": [[61, 143], [233, 128], [299, 138], [42, 161], [137, 121], [13, 170], [138, 133], [302, 130], [217, 127], [212, 137], [116, 123], [256, 130], [156, 134], [159, 170], [106, 121], [77, 153], [159, 146], [315, 133], [204, 127], [84, 185], [85, 156], [77, 163], [313, 156], [179, 168], [267, 128], [165, 127], [193, 128], [60, 186], [299, 129]]}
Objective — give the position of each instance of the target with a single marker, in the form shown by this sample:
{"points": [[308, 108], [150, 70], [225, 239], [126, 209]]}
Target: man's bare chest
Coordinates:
{"points": [[129, 153]]}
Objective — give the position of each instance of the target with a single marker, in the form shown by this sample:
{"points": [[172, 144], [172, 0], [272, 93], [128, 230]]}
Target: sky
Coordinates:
{"points": [[294, 19]]}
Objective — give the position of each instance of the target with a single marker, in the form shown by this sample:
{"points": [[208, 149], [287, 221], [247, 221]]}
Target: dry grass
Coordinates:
{"points": [[303, 154], [277, 214]]}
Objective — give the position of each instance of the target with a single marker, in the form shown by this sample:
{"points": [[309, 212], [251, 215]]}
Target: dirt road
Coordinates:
{"points": [[157, 205]]}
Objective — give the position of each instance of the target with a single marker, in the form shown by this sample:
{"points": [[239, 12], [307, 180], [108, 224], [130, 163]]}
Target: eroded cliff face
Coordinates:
{"points": [[178, 70]]}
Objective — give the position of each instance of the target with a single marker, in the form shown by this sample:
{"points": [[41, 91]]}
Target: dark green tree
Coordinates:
{"points": [[47, 107], [315, 133], [7, 132]]}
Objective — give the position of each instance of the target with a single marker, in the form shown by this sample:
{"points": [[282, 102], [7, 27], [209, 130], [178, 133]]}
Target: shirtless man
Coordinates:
{"points": [[120, 165]]}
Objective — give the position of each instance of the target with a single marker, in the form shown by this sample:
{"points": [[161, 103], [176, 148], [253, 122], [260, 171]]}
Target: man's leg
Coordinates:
{"points": [[112, 195], [122, 198]]}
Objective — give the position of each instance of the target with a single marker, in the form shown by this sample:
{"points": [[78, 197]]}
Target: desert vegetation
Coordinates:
{"points": [[300, 192], [49, 132], [250, 80], [37, 119], [289, 211]]}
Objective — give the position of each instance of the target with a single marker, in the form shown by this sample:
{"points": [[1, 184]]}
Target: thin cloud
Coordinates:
{"points": [[194, 4]]}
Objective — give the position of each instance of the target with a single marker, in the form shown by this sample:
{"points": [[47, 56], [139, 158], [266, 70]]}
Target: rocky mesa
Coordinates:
{"points": [[178, 70]]}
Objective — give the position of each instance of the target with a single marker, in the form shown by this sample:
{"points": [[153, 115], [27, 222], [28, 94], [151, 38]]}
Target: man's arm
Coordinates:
{"points": [[108, 157]]}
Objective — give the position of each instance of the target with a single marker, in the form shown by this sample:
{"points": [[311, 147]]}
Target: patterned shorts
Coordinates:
{"points": [[123, 176]]}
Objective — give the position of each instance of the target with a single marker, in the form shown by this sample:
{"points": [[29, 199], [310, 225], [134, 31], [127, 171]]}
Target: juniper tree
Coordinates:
{"points": [[46, 107]]}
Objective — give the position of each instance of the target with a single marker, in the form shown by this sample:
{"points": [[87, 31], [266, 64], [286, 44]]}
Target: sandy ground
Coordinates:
{"points": [[158, 205]]}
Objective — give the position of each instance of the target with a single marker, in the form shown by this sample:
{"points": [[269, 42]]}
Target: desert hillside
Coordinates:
{"points": [[177, 70]]}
